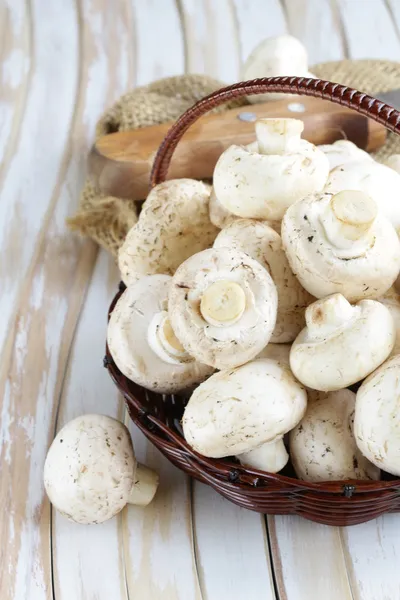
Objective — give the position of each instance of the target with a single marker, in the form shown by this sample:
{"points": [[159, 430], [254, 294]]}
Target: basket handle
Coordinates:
{"points": [[340, 94]]}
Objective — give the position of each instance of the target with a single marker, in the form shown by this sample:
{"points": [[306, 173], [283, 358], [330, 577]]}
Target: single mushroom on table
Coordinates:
{"points": [[341, 343], [280, 55], [245, 412], [222, 307], [377, 417], [174, 224], [342, 244], [322, 446], [142, 341], [91, 472], [379, 181], [262, 243], [343, 151], [263, 183]]}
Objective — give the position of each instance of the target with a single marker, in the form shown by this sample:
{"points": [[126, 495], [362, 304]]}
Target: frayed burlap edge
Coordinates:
{"points": [[107, 219]]}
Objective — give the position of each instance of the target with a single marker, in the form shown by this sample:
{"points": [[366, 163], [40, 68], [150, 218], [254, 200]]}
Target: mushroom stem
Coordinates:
{"points": [[327, 315], [163, 341], [347, 221], [270, 457], [223, 303], [278, 136], [144, 487]]}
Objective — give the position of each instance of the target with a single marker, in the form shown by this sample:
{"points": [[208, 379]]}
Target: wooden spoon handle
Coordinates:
{"points": [[120, 163]]}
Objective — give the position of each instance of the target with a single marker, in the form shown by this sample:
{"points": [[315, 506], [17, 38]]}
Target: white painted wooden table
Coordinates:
{"points": [[62, 63]]}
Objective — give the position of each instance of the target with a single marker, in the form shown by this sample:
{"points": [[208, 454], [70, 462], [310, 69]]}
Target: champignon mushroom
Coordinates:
{"points": [[281, 55], [142, 341], [380, 182], [91, 473], [340, 243], [392, 302], [322, 446], [174, 224], [341, 344], [245, 412], [262, 243], [343, 151], [393, 162], [222, 306], [262, 184], [377, 417]]}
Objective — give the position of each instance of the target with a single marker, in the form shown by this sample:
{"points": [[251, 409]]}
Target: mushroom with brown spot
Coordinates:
{"points": [[91, 472], [341, 344], [222, 306], [174, 224], [341, 243], [322, 446], [142, 341], [245, 412], [262, 243]]}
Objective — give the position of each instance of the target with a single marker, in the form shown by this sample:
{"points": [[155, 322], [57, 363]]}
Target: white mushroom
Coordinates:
{"points": [[91, 473], [393, 162], [281, 55], [262, 184], [222, 306], [343, 151], [245, 412], [377, 418], [262, 243], [392, 302], [322, 446], [174, 224], [380, 182], [340, 243], [142, 341], [341, 343]]}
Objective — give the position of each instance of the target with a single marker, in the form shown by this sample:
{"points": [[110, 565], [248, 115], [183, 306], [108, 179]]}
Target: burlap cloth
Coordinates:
{"points": [[107, 219]]}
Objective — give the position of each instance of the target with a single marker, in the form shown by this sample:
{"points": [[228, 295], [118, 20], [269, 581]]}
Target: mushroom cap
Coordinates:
{"points": [[221, 218], [174, 224], [262, 243], [379, 181], [237, 410], [322, 446], [377, 417], [319, 235], [391, 299], [281, 55], [343, 151], [341, 343], [222, 305], [135, 330], [263, 184], [90, 469]]}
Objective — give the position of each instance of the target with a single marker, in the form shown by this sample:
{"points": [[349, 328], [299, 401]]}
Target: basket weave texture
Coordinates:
{"points": [[331, 503]]}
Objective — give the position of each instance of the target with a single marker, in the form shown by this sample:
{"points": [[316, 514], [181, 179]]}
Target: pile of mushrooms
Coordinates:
{"points": [[263, 298]]}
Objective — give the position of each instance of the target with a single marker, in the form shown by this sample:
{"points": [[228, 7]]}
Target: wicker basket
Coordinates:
{"points": [[331, 503]]}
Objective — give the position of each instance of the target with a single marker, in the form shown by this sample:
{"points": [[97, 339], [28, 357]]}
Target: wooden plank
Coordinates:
{"points": [[375, 35], [158, 40], [211, 39], [36, 341], [308, 560], [81, 553], [314, 22], [257, 20], [231, 548], [372, 553]]}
